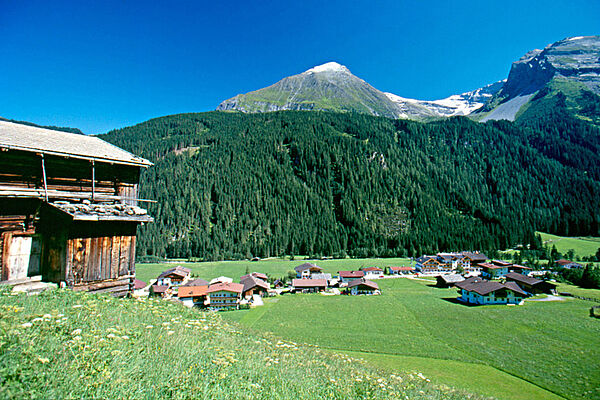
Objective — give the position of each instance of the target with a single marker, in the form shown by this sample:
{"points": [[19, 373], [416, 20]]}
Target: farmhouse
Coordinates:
{"points": [[363, 286], [530, 284], [471, 260], [253, 285], [258, 275], [159, 290], [519, 269], [223, 296], [196, 282], [373, 272], [562, 263], [494, 270], [68, 209], [309, 285], [193, 296], [400, 270], [448, 280], [480, 291], [305, 270], [349, 276], [174, 276]]}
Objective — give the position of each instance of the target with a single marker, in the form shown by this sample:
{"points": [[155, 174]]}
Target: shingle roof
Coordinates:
{"points": [[191, 291], [515, 288], [196, 282], [452, 278], [363, 282], [250, 282], [309, 283], [228, 287], [258, 275], [39, 140], [514, 276], [372, 269], [159, 288], [351, 274], [137, 284], [475, 256], [178, 270], [483, 287], [307, 265]]}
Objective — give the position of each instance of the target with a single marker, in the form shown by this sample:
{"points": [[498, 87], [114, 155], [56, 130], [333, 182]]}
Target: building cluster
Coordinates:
{"points": [[310, 279]]}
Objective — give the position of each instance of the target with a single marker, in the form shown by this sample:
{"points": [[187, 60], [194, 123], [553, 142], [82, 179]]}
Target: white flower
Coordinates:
{"points": [[110, 335], [125, 337], [27, 325], [77, 306], [76, 332], [47, 316], [77, 338]]}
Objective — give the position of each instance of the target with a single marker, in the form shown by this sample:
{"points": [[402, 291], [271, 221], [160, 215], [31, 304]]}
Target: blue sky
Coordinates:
{"points": [[118, 63]]}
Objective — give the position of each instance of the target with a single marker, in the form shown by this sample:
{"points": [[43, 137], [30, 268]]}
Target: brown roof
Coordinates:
{"points": [[372, 269], [251, 282], [178, 270], [515, 288], [40, 140], [159, 288], [137, 284], [197, 282], [401, 268], [351, 274], [258, 275], [501, 263], [308, 283], [228, 287], [483, 287], [477, 257], [307, 265], [364, 282], [192, 291]]}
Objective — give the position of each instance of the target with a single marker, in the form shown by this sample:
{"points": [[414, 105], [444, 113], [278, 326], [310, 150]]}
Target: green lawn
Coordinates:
{"points": [[545, 347], [273, 267], [583, 246]]}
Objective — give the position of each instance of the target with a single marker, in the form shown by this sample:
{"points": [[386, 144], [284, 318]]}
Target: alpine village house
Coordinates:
{"points": [[68, 210]]}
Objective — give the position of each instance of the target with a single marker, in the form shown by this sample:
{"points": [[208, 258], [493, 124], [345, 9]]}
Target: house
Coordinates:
{"points": [[495, 269], [196, 282], [193, 296], [451, 261], [448, 280], [429, 265], [159, 290], [137, 284], [221, 279], [470, 261], [309, 285], [373, 272], [363, 286], [258, 275], [68, 209], [278, 284], [253, 285], [521, 269], [224, 296], [562, 263], [530, 284], [174, 276], [305, 270], [480, 291], [400, 270], [349, 276]]}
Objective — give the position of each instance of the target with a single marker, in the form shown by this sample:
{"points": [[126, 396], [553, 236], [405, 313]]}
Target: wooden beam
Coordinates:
{"points": [[45, 181]]}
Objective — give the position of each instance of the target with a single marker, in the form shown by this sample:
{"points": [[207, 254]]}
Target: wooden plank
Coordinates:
{"points": [[107, 257], [114, 259], [124, 280], [132, 256], [124, 256]]}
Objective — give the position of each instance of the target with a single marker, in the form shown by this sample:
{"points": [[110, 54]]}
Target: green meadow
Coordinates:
{"points": [[583, 246], [541, 350], [274, 267]]}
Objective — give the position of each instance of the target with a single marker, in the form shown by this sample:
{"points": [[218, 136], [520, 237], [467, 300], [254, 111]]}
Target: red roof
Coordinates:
{"points": [[401, 268], [364, 282], [139, 284], [519, 266], [351, 274], [491, 266], [227, 287], [159, 288], [308, 283], [372, 269], [191, 291]]}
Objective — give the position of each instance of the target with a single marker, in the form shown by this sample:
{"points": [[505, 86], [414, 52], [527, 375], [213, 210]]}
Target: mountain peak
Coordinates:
{"points": [[329, 67]]}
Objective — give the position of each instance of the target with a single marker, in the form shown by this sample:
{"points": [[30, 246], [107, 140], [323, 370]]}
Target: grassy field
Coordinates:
{"points": [[273, 267], [66, 345], [583, 246], [541, 350]]}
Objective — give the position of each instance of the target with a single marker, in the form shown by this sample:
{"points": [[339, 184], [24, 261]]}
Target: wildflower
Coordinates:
{"points": [[170, 333], [125, 337], [149, 326], [37, 319], [76, 332], [110, 335], [47, 316], [77, 338], [27, 325], [77, 306], [43, 360]]}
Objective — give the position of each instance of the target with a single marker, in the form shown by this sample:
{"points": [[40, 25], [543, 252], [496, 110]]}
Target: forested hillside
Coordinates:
{"points": [[232, 185]]}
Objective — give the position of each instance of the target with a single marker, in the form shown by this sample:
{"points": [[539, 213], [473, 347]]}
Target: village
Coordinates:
{"points": [[479, 281]]}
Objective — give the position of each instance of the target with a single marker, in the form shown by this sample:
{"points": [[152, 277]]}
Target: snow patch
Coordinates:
{"points": [[576, 38], [330, 66]]}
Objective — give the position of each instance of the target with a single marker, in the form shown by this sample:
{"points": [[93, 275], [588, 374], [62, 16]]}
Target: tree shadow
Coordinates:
{"points": [[456, 301]]}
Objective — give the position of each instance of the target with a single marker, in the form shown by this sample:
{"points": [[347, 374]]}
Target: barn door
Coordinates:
{"points": [[23, 255]]}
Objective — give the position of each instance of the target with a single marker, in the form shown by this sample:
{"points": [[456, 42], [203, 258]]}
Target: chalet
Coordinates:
{"points": [[448, 280], [451, 261], [253, 285], [495, 269], [363, 286], [470, 261], [429, 265], [221, 279], [193, 296], [481, 291], [159, 290], [68, 209], [174, 276], [278, 284], [373, 272], [258, 275], [400, 270], [224, 296], [305, 270], [349, 276], [521, 269], [309, 285], [562, 263], [530, 284], [196, 282]]}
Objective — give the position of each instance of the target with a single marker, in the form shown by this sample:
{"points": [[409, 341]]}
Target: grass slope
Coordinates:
{"points": [[549, 346], [583, 246], [273, 267], [65, 345]]}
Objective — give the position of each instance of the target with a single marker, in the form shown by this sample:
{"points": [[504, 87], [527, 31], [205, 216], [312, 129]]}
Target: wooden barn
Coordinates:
{"points": [[68, 209]]}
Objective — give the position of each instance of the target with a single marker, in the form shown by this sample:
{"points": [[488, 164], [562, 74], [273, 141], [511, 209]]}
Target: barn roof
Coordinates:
{"points": [[102, 212], [250, 282], [364, 282], [40, 140], [305, 283], [351, 274]]}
